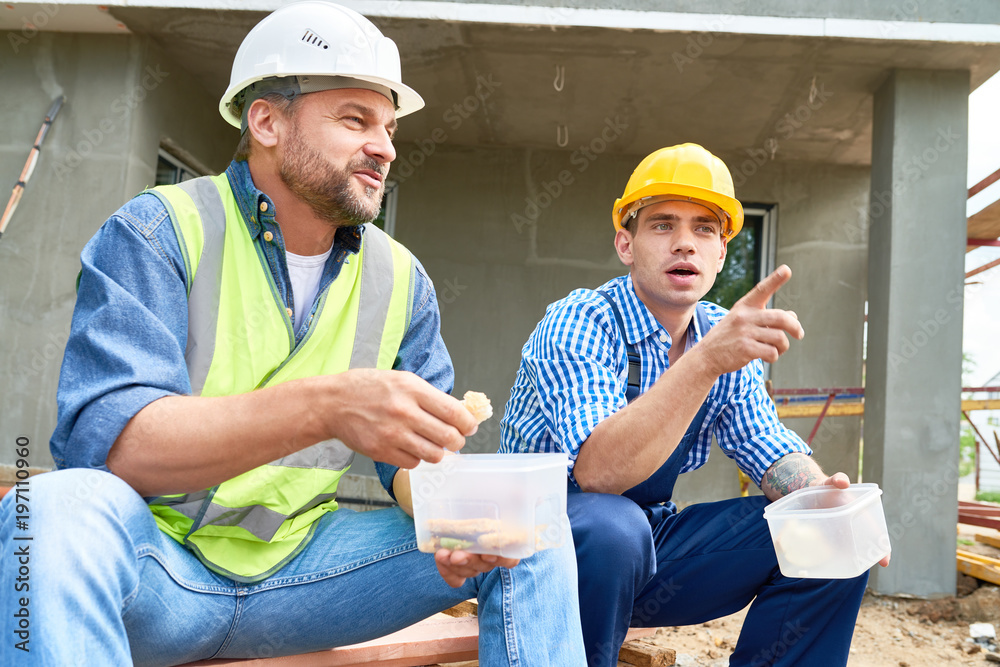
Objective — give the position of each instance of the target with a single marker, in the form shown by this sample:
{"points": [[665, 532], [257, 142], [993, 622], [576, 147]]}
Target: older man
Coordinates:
{"points": [[236, 339]]}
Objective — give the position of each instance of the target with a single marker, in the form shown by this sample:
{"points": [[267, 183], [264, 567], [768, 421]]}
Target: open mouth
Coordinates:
{"points": [[682, 272]]}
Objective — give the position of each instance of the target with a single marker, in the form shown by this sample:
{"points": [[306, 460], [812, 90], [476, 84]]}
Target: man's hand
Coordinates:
{"points": [[842, 481], [457, 566], [797, 471], [398, 418], [751, 330]]}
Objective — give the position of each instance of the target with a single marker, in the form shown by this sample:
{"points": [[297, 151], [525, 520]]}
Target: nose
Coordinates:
{"points": [[380, 146], [682, 240]]}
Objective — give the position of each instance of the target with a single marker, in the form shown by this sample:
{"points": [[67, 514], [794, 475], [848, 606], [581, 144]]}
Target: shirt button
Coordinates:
{"points": [[289, 311], [268, 236], [663, 338], [263, 207]]}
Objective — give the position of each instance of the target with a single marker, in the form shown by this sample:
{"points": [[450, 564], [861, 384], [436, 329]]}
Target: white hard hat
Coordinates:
{"points": [[310, 46]]}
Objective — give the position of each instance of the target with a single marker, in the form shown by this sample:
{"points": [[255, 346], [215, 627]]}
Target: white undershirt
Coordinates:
{"points": [[305, 273]]}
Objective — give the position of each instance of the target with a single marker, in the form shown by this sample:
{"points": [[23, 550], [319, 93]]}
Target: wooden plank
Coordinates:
{"points": [[980, 567], [979, 558], [979, 509], [436, 639], [991, 540], [854, 409], [466, 608], [973, 519], [642, 653], [836, 410], [983, 404]]}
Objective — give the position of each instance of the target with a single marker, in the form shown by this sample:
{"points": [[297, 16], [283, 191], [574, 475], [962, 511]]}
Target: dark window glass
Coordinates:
{"points": [[743, 264]]}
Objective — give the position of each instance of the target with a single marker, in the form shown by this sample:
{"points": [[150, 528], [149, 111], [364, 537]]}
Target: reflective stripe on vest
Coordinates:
{"points": [[239, 339]]}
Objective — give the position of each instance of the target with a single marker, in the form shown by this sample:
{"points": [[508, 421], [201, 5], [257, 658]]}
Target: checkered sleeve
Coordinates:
{"points": [[572, 377], [748, 429]]}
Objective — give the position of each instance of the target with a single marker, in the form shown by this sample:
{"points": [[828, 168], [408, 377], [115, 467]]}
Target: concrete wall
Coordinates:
{"points": [[123, 97], [953, 11], [503, 232], [466, 214]]}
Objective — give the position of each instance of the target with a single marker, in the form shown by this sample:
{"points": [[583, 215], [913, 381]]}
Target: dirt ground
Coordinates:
{"points": [[890, 632]]}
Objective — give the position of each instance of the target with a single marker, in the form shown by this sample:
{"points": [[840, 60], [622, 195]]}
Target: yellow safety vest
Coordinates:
{"points": [[240, 338]]}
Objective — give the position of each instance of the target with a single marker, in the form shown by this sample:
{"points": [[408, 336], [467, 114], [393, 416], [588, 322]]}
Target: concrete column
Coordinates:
{"points": [[915, 296]]}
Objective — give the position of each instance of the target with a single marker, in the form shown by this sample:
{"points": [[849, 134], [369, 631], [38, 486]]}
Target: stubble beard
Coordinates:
{"points": [[328, 191]]}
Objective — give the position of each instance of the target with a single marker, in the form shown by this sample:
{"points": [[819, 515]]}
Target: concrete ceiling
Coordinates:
{"points": [[789, 98]]}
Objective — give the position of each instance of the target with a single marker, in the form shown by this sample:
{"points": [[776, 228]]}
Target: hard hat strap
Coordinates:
{"points": [[290, 86]]}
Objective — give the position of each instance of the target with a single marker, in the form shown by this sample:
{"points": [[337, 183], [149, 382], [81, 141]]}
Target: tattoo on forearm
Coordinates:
{"points": [[790, 473]]}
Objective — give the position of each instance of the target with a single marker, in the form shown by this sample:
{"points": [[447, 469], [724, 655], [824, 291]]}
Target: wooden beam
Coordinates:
{"points": [[641, 653], [466, 608], [433, 640], [980, 567], [991, 540], [985, 183], [436, 639], [793, 411], [835, 410], [984, 267]]}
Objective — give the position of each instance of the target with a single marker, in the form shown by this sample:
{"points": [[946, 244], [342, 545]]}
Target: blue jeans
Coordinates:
{"points": [[107, 587]]}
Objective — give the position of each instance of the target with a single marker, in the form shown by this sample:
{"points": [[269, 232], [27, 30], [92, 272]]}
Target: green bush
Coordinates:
{"points": [[967, 454], [988, 496]]}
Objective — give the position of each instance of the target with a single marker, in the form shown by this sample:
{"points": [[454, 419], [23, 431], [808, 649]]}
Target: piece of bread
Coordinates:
{"points": [[478, 404]]}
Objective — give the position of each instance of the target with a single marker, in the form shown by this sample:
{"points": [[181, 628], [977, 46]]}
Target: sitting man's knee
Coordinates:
{"points": [[73, 490], [609, 528]]}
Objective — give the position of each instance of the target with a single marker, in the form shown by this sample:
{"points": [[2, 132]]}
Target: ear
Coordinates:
{"points": [[264, 123], [623, 245], [722, 254]]}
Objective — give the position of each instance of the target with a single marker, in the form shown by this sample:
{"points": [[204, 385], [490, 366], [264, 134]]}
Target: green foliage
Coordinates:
{"points": [[968, 366], [966, 453], [988, 496], [965, 542], [739, 273]]}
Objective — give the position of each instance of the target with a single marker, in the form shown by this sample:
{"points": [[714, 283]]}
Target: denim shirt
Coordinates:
{"points": [[129, 330]]}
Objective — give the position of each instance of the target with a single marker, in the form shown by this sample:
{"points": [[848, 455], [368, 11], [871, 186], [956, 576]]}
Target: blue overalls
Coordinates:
{"points": [[642, 563]]}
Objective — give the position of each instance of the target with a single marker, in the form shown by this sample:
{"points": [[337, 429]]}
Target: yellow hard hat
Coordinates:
{"points": [[686, 172]]}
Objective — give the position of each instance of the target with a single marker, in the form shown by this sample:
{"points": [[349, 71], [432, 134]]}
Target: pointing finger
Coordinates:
{"points": [[765, 289]]}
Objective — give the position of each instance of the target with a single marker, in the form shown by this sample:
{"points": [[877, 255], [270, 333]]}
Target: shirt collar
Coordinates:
{"points": [[258, 209], [640, 322]]}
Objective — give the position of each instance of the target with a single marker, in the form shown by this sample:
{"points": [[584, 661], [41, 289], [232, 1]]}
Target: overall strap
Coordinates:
{"points": [[702, 315], [634, 361]]}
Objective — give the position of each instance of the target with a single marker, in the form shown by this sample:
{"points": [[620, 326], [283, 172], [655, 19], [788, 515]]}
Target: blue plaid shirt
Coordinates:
{"points": [[574, 373]]}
